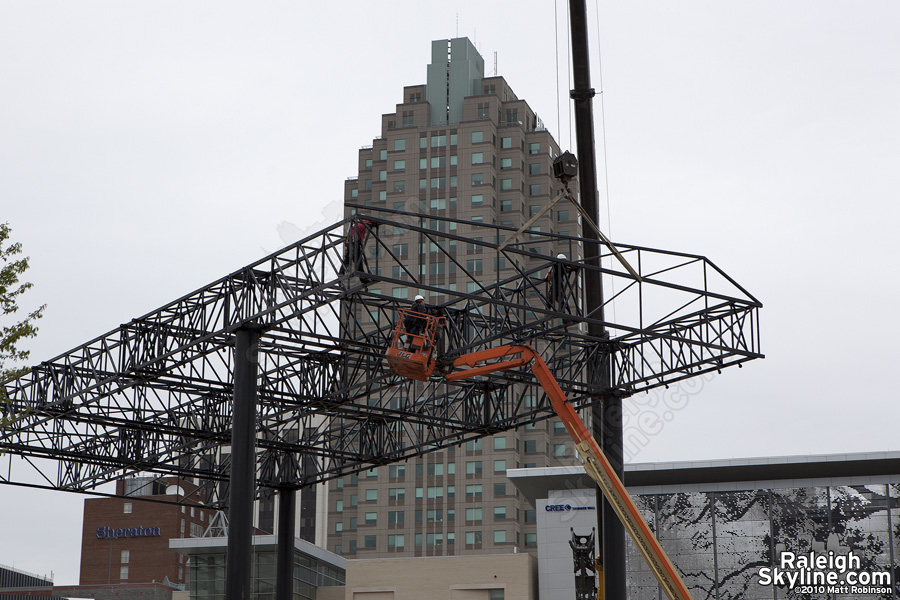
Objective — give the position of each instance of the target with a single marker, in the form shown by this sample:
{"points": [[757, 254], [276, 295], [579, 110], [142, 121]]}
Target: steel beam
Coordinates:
{"points": [[284, 558], [243, 466]]}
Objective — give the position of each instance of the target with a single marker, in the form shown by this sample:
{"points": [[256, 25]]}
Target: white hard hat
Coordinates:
{"points": [[560, 255], [419, 297]]}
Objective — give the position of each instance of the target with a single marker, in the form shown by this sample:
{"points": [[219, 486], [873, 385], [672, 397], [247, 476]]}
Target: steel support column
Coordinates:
{"points": [[242, 489], [613, 543], [609, 427], [284, 558]]}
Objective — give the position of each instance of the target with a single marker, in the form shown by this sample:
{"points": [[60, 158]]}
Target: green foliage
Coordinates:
{"points": [[11, 357]]}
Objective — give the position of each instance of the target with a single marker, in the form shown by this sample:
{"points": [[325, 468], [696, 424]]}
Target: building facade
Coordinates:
{"points": [[126, 539], [316, 571], [465, 147], [731, 526]]}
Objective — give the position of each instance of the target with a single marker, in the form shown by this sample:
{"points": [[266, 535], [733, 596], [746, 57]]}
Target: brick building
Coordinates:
{"points": [[126, 539]]}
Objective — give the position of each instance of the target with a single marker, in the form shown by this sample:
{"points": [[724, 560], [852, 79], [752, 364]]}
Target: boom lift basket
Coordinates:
{"points": [[412, 355]]}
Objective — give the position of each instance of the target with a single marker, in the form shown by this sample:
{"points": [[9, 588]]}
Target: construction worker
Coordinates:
{"points": [[354, 249], [412, 323], [557, 280]]}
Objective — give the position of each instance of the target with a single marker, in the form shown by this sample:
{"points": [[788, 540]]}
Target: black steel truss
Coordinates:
{"points": [[154, 395]]}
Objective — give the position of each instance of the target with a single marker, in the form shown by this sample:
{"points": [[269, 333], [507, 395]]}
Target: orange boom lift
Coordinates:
{"points": [[420, 364]]}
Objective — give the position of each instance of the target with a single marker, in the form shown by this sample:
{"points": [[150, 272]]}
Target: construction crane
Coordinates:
{"points": [[418, 361]]}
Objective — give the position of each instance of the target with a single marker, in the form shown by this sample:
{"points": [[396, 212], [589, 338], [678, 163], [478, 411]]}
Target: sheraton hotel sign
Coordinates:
{"points": [[108, 533]]}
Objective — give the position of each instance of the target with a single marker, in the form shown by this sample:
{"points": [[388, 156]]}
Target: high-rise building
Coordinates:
{"points": [[465, 147]]}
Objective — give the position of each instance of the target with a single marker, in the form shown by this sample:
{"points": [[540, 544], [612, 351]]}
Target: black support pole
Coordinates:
{"points": [[608, 428], [242, 488], [284, 558]]}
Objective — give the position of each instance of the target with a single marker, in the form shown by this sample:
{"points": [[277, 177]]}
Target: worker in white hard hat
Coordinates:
{"points": [[557, 284], [412, 323]]}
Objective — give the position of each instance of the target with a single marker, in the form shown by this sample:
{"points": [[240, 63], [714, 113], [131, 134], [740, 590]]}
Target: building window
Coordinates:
{"points": [[438, 162], [499, 489], [371, 495], [484, 110], [475, 266], [477, 158], [339, 506], [473, 467], [438, 183], [399, 471], [477, 200], [371, 518], [506, 142], [534, 189], [530, 539], [559, 450], [477, 137], [506, 184], [338, 527], [407, 116], [382, 155], [512, 116], [473, 492], [473, 538], [499, 465], [477, 178], [399, 186], [530, 446], [402, 293], [495, 594], [434, 516], [399, 145], [369, 541], [399, 165], [534, 148], [473, 445], [499, 513], [562, 215], [435, 492], [126, 556], [397, 494], [352, 547], [126, 508], [506, 205], [435, 469], [397, 541], [438, 141], [505, 163], [368, 166], [530, 516], [500, 536], [473, 514], [123, 572], [534, 168]]}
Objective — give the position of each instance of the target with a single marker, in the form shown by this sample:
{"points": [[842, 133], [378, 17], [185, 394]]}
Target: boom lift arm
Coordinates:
{"points": [[595, 463]]}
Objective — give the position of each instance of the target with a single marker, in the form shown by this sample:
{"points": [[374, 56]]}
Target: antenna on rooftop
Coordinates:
{"points": [[495, 63]]}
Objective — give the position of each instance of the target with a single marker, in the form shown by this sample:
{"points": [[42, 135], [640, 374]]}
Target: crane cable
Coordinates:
{"points": [[612, 281]]}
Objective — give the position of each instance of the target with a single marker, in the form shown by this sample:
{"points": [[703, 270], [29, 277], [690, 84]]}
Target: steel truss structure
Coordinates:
{"points": [[155, 394]]}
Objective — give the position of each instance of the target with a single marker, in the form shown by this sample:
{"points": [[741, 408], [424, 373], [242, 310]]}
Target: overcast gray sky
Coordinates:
{"points": [[147, 149]]}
